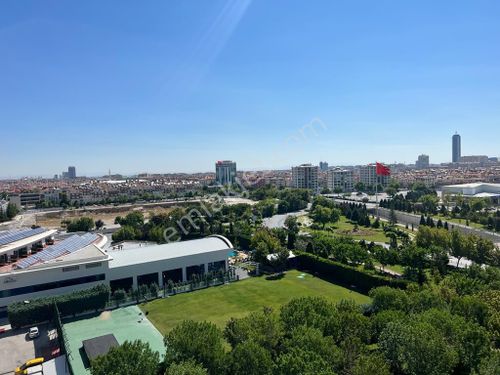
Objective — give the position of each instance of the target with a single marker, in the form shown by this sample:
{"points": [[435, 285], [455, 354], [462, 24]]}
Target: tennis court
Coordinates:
{"points": [[127, 323]]}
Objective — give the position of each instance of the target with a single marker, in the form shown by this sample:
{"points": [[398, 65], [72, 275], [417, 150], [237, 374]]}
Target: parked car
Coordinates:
{"points": [[33, 332]]}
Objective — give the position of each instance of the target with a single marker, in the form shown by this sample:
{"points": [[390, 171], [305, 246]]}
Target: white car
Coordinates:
{"points": [[33, 332]]}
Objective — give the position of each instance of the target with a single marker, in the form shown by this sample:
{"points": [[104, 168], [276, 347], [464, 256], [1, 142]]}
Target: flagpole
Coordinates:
{"points": [[376, 191]]}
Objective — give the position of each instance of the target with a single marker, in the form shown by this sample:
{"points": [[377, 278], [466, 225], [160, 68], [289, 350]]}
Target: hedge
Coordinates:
{"points": [[41, 309], [345, 274]]}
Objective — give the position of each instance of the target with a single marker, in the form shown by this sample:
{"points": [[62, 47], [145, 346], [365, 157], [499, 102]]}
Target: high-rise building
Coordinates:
{"points": [[71, 172], [323, 166], [368, 176], [339, 179], [456, 148], [305, 176], [225, 172], [422, 162]]}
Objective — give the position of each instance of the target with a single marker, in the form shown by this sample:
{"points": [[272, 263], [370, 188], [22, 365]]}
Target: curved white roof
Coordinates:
{"points": [[147, 254]]}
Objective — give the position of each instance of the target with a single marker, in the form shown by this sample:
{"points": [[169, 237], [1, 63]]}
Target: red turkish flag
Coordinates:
{"points": [[383, 170]]}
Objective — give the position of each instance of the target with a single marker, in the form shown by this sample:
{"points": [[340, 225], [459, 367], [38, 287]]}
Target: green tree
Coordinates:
{"points": [[126, 233], [279, 259], [82, 224], [264, 243], [322, 215], [482, 251], [249, 358], [131, 358], [302, 362], [460, 245], [312, 339], [292, 227], [416, 259], [200, 341], [386, 298], [11, 211], [99, 224], [416, 348], [392, 217], [372, 364], [385, 256], [313, 312], [186, 368], [489, 365], [262, 327], [429, 203]]}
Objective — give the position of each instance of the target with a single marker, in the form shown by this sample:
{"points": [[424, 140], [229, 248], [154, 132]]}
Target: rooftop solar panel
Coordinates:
{"points": [[16, 235], [69, 245]]}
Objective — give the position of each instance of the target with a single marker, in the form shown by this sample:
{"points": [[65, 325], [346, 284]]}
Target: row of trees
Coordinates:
{"points": [[460, 245], [425, 201], [235, 222], [280, 201]]}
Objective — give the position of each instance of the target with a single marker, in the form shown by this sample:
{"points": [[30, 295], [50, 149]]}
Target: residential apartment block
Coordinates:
{"points": [[305, 176]]}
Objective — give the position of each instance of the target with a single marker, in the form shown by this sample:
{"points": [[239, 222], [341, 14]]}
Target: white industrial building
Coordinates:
{"points": [[81, 262], [474, 190]]}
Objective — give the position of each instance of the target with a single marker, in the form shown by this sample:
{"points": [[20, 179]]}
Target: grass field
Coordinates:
{"points": [[345, 228], [219, 304]]}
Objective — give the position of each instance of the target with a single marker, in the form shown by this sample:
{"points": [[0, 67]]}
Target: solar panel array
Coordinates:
{"points": [[19, 234], [67, 246]]}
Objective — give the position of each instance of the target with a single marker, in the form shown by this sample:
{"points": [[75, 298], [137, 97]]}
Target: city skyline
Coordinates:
{"points": [[186, 84]]}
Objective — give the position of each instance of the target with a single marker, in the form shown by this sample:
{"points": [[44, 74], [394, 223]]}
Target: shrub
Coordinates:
{"points": [[346, 274], [40, 310]]}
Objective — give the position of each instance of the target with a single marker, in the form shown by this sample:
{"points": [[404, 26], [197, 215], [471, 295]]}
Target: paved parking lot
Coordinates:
{"points": [[16, 348]]}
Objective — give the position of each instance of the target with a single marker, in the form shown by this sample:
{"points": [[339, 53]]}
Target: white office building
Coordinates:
{"points": [[339, 179], [81, 262], [305, 176]]}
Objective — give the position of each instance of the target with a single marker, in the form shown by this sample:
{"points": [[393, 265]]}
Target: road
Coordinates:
{"points": [[278, 221]]}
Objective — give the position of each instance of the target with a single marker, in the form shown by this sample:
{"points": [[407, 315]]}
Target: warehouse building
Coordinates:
{"points": [[475, 190], [80, 262]]}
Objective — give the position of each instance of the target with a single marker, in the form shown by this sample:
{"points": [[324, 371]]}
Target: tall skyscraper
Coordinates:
{"points": [[71, 172], [456, 148], [422, 162], [305, 176], [323, 166], [225, 172]]}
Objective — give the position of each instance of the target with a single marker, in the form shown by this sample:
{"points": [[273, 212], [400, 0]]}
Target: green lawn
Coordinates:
{"points": [[345, 228], [219, 304]]}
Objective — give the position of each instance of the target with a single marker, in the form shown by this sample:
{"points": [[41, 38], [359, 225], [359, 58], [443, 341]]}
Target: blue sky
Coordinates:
{"points": [[164, 86]]}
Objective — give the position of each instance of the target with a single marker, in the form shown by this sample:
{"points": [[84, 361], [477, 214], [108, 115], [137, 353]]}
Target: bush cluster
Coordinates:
{"points": [[40, 310]]}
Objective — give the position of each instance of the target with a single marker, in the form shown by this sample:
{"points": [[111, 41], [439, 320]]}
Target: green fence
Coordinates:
{"points": [[61, 337]]}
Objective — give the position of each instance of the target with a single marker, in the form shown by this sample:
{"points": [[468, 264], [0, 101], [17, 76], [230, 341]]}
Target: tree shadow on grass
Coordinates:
{"points": [[275, 276]]}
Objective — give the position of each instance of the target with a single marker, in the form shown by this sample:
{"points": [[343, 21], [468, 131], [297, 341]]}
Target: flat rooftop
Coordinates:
{"points": [[147, 254], [474, 185]]}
